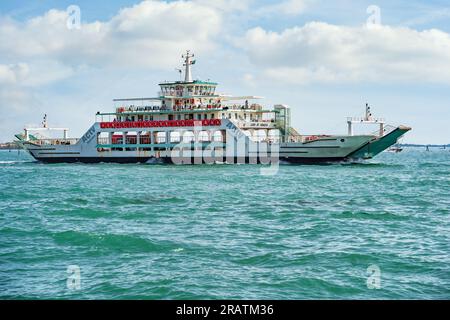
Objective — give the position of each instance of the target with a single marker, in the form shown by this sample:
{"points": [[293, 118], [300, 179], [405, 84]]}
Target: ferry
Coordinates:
{"points": [[189, 122]]}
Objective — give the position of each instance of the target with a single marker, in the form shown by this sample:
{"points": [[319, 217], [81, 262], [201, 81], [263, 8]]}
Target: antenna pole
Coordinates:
{"points": [[187, 63]]}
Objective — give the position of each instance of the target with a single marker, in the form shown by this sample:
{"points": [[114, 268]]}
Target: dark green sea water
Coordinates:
{"points": [[170, 232]]}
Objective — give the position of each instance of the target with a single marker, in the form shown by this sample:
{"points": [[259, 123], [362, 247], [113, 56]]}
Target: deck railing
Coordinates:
{"points": [[198, 107], [362, 119], [255, 124], [386, 130]]}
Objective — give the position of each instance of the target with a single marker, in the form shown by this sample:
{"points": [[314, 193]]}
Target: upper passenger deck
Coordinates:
{"points": [[154, 105], [189, 99]]}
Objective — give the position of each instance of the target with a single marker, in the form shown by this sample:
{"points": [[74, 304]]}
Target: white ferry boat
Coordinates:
{"points": [[190, 123]]}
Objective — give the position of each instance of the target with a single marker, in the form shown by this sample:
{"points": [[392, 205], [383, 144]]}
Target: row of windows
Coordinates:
{"points": [[236, 116], [218, 150], [197, 90], [171, 117], [189, 117]]}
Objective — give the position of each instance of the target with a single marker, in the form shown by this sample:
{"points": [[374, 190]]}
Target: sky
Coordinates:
{"points": [[325, 59]]}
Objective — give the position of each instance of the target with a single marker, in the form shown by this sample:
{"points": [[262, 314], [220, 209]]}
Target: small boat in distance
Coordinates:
{"points": [[188, 122], [395, 149]]}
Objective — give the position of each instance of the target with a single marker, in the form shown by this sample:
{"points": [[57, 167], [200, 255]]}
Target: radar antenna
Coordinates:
{"points": [[180, 72]]}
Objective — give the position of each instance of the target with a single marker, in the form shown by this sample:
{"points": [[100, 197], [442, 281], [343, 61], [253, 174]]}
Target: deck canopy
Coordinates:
{"points": [[239, 98], [137, 99]]}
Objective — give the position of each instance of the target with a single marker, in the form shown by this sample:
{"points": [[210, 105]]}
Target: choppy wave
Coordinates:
{"points": [[225, 231], [112, 242], [14, 162]]}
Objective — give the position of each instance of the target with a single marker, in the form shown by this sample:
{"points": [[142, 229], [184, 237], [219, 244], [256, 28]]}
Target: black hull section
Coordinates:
{"points": [[93, 160], [186, 161], [313, 160]]}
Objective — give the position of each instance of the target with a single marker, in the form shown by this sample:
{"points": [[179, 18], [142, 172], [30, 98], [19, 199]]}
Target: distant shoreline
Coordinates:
{"points": [[9, 146], [405, 145]]}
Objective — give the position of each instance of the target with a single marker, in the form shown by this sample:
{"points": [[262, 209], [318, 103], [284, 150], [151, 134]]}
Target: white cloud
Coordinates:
{"points": [[13, 73], [37, 74], [14, 101], [249, 80], [320, 52], [148, 34]]}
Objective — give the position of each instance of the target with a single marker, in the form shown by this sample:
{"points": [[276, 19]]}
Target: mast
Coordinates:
{"points": [[368, 118], [187, 63], [368, 113]]}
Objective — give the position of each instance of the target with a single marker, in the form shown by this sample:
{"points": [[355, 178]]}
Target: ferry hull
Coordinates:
{"points": [[91, 160], [238, 149], [192, 161]]}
